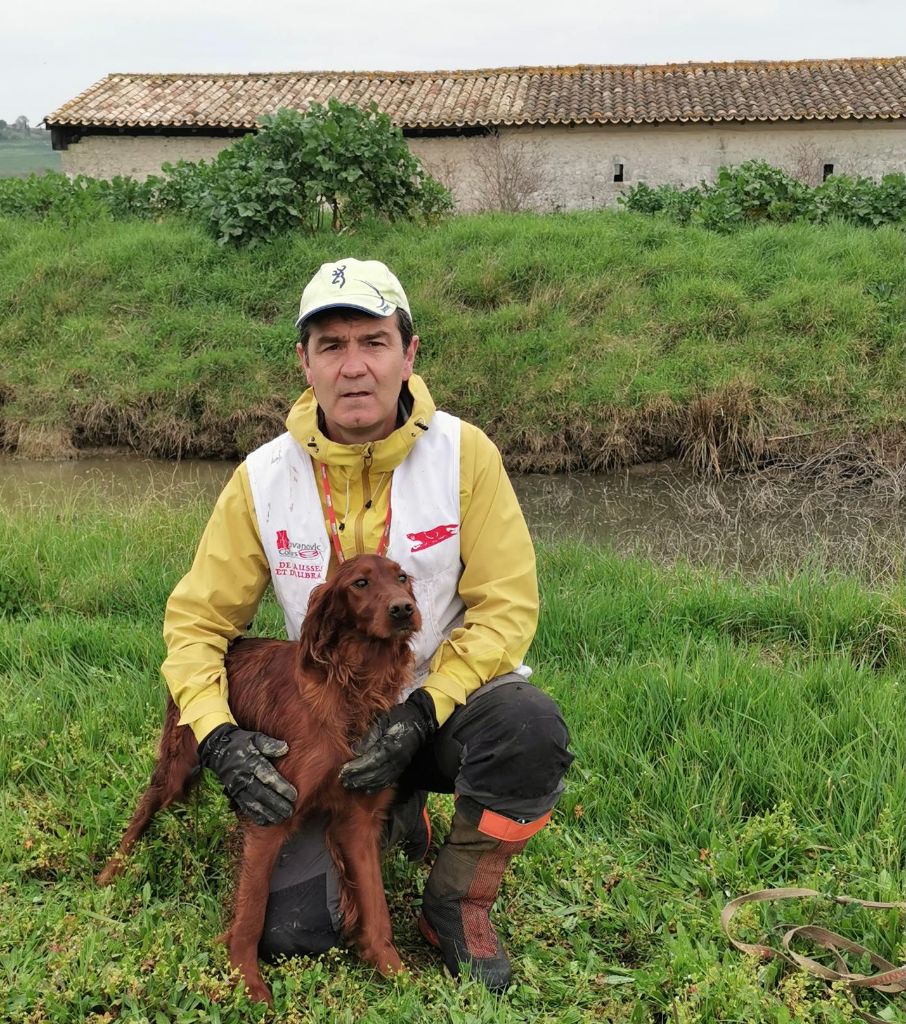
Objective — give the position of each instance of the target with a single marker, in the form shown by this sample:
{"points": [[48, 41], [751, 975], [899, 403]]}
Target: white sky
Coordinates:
{"points": [[53, 50]]}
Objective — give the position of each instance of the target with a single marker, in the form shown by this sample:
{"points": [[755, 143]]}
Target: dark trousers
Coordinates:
{"points": [[504, 750]]}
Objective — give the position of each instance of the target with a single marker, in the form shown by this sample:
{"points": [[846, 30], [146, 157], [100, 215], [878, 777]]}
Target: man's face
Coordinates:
{"points": [[356, 366]]}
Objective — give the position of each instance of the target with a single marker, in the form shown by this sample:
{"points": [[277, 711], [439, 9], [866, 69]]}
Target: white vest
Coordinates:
{"points": [[424, 530]]}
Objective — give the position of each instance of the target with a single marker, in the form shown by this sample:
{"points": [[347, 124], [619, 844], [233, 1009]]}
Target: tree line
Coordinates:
{"points": [[17, 129]]}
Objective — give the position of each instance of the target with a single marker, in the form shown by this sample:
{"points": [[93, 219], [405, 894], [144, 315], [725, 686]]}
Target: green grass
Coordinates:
{"points": [[581, 340], [730, 736], [30, 155]]}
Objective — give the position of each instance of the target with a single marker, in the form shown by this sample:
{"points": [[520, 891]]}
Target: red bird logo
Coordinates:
{"points": [[428, 538]]}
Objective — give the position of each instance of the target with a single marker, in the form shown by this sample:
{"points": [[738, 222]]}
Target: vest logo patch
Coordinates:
{"points": [[428, 538], [293, 552]]}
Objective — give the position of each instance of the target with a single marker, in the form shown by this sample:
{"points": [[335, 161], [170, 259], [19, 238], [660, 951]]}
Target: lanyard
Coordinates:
{"points": [[332, 518]]}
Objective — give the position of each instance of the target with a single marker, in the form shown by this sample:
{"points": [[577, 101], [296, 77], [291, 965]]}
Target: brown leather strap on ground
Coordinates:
{"points": [[889, 978]]}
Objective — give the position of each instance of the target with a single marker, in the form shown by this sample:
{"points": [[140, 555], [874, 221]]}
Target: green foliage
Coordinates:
{"points": [[749, 193], [861, 201], [336, 162], [678, 204], [55, 197], [50, 196], [756, 192]]}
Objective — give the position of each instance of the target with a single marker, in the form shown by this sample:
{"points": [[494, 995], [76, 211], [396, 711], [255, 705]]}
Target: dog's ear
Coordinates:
{"points": [[323, 620]]}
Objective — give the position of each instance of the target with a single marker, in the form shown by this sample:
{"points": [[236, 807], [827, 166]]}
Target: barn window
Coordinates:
{"points": [[827, 172], [617, 172]]}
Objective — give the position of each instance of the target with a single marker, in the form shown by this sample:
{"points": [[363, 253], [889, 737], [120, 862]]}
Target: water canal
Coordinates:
{"points": [[741, 524]]}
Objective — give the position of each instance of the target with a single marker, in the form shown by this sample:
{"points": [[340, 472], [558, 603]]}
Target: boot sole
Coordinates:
{"points": [[431, 936]]}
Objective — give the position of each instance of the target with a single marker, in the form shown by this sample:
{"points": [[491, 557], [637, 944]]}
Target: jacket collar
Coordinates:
{"points": [[416, 410]]}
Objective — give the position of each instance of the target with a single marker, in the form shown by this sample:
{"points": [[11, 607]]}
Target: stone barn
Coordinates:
{"points": [[544, 138]]}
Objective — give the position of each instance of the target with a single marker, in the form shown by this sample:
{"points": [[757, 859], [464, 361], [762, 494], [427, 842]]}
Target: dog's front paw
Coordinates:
{"points": [[112, 871], [257, 991], [384, 958]]}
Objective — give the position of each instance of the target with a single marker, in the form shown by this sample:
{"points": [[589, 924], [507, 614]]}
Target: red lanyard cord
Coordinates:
{"points": [[332, 519]]}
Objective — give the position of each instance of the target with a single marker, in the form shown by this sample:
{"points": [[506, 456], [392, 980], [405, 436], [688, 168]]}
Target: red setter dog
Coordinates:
{"points": [[320, 695]]}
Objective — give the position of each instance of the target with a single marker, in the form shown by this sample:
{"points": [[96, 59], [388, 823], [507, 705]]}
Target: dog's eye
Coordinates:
{"points": [[362, 582], [402, 577]]}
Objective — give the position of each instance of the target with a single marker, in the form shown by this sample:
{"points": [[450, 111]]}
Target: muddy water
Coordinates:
{"points": [[660, 511]]}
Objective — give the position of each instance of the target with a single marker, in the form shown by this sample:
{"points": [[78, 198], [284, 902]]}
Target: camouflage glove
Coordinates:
{"points": [[386, 749], [240, 759]]}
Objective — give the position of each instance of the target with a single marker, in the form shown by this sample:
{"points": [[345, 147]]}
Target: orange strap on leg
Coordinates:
{"points": [[508, 831]]}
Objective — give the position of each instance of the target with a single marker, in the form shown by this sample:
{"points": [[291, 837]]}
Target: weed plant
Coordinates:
{"points": [[755, 191], [579, 341], [730, 736]]}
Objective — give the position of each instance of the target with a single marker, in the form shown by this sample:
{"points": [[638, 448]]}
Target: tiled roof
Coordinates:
{"points": [[584, 94]]}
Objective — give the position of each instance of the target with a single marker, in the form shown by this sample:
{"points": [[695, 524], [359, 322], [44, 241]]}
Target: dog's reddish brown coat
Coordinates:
{"points": [[352, 662]]}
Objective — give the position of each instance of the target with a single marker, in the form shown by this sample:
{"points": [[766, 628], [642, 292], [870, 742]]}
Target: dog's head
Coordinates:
{"points": [[369, 595]]}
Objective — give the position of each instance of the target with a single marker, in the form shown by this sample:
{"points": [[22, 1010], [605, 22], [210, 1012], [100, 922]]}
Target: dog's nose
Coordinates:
{"points": [[401, 609]]}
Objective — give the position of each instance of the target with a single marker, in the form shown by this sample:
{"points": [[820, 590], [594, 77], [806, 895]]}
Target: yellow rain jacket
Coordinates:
{"points": [[218, 597]]}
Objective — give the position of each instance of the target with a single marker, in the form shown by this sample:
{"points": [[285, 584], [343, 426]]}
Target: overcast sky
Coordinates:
{"points": [[51, 50]]}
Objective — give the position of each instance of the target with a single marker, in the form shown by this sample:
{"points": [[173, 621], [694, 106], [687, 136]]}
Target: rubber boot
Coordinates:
{"points": [[460, 891]]}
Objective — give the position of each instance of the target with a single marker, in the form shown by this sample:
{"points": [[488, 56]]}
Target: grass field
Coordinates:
{"points": [[577, 341], [729, 735], [30, 155]]}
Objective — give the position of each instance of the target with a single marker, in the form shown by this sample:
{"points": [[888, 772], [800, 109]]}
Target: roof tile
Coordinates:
{"points": [[585, 94]]}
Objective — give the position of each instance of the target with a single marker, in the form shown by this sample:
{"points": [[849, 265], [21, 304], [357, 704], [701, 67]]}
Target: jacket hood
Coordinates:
{"points": [[417, 408]]}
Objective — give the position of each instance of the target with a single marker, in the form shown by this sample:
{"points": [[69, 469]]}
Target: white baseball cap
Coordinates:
{"points": [[366, 285]]}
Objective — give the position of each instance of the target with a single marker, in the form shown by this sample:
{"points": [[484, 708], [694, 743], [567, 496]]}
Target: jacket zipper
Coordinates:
{"points": [[366, 500]]}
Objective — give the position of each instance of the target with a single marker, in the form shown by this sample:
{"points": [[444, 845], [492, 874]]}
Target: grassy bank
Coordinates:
{"points": [[577, 341], [730, 736]]}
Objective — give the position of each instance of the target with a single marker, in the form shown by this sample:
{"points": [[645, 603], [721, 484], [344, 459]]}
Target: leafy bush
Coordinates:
{"points": [[182, 188], [123, 197], [50, 195], [755, 191], [642, 198], [752, 192], [861, 200], [338, 162]]}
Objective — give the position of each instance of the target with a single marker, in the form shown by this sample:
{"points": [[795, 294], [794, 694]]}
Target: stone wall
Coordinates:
{"points": [[567, 168], [137, 156]]}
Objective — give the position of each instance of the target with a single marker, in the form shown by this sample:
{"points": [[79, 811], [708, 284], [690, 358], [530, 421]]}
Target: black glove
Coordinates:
{"points": [[240, 760], [390, 744]]}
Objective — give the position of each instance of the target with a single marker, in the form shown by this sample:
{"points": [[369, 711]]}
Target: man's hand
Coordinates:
{"points": [[240, 760], [390, 744]]}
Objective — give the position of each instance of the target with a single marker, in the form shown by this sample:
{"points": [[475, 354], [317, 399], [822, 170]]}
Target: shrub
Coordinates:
{"points": [[861, 200], [50, 195], [338, 161], [755, 191], [124, 197]]}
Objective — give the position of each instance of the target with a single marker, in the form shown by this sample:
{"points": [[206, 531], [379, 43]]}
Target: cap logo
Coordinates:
{"points": [[339, 276], [385, 305]]}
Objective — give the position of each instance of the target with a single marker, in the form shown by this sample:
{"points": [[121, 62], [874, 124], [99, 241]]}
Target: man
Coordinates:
{"points": [[369, 464]]}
